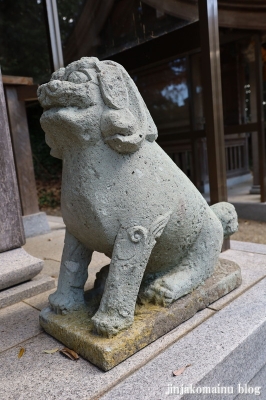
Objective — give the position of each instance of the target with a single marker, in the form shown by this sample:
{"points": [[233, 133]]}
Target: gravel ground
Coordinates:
{"points": [[251, 231]]}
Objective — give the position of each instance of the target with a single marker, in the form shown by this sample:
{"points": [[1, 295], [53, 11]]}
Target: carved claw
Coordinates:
{"points": [[163, 291], [158, 295], [65, 303], [110, 325]]}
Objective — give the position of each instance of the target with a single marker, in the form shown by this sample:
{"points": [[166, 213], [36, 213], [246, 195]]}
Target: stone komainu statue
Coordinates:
{"points": [[123, 196]]}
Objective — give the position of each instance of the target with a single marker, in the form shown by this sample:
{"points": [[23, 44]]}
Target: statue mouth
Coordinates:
{"points": [[64, 94], [50, 104], [49, 111]]}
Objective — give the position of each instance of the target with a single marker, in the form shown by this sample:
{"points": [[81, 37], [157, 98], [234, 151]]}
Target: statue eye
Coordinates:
{"points": [[78, 77], [58, 75]]}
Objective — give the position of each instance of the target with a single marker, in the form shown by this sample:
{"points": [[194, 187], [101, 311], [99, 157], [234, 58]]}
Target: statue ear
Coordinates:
{"points": [[112, 86], [127, 122]]}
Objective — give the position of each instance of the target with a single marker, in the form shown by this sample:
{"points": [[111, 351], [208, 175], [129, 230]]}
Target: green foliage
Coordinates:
{"points": [[46, 167], [23, 39], [48, 170], [68, 12], [48, 199]]}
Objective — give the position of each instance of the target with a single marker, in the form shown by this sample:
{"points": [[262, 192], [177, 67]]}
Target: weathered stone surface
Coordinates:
{"points": [[25, 290], [227, 349], [253, 270], [205, 341], [48, 246], [256, 384], [248, 247], [17, 266], [18, 322], [55, 222], [39, 301], [53, 376], [21, 146], [124, 197], [11, 232], [76, 330], [35, 224]]}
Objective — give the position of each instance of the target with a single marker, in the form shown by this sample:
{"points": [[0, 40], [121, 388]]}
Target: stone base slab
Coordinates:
{"points": [[17, 266], [75, 330], [25, 290], [35, 224]]}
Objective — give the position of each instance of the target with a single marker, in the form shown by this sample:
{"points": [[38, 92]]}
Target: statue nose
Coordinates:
{"points": [[53, 85]]}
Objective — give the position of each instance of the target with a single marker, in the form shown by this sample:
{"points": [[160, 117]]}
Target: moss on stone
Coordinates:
{"points": [[75, 330]]}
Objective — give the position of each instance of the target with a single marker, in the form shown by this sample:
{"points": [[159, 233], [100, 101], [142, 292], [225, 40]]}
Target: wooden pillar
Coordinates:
{"points": [[11, 232], [22, 151], [194, 153], [260, 118], [254, 117], [212, 100]]}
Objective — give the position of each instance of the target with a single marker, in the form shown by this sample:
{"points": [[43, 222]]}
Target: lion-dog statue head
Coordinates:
{"points": [[124, 122]]}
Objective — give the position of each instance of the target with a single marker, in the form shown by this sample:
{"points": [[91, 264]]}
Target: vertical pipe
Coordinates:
{"points": [[54, 32], [212, 100]]}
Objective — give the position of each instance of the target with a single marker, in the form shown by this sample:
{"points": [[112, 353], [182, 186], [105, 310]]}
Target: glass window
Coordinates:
{"points": [[197, 117], [238, 81], [102, 28], [164, 89]]}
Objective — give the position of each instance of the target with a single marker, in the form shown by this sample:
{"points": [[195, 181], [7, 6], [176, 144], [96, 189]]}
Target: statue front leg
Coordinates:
{"points": [[131, 252], [69, 295]]}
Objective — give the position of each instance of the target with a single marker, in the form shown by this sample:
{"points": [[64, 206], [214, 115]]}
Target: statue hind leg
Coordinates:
{"points": [[195, 267]]}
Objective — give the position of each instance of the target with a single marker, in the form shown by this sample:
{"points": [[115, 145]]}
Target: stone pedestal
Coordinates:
{"points": [[18, 277], [35, 224], [16, 266], [75, 330]]}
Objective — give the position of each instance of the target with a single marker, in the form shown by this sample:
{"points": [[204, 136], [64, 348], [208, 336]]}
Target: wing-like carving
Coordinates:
{"points": [[158, 225]]}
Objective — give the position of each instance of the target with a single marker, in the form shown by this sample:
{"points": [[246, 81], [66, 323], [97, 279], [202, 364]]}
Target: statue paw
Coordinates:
{"points": [[110, 325], [160, 292], [67, 302]]}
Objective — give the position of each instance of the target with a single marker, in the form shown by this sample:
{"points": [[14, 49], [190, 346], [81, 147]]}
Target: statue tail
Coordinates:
{"points": [[227, 215]]}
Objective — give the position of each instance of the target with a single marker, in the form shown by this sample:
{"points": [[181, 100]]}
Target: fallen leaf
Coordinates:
{"points": [[181, 370], [69, 353], [50, 351], [21, 352]]}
